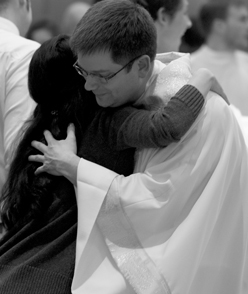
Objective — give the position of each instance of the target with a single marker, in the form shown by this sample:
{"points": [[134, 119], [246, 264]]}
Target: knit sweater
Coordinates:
{"points": [[113, 131], [39, 258]]}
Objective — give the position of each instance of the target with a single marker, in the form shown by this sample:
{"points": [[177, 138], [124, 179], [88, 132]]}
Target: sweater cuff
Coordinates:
{"points": [[191, 97]]}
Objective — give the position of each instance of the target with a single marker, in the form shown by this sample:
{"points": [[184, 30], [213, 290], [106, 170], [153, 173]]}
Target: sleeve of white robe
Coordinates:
{"points": [[93, 182]]}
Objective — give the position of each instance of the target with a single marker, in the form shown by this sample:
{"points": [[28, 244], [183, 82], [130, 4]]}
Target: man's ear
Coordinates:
{"points": [[144, 65], [26, 3], [162, 16]]}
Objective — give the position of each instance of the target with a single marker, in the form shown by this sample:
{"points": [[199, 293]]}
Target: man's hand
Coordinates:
{"points": [[59, 157]]}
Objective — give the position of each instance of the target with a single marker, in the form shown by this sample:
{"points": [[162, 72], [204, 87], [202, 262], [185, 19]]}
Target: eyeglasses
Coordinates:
{"points": [[100, 78]]}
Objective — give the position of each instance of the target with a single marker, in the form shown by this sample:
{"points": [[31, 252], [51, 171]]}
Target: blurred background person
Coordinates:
{"points": [[42, 30], [192, 39], [224, 24], [15, 54], [72, 15], [171, 21]]}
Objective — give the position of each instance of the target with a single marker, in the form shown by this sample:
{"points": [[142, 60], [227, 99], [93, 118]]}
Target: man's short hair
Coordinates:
{"points": [[215, 9], [120, 27]]}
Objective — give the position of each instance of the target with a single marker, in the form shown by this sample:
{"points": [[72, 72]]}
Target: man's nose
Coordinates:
{"points": [[90, 83]]}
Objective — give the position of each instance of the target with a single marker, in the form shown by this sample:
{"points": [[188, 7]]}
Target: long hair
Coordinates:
{"points": [[58, 90]]}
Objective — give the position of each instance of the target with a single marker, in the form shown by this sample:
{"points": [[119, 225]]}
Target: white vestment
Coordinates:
{"points": [[179, 225]]}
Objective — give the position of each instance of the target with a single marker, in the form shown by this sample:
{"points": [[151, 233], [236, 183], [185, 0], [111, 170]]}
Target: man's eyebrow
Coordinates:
{"points": [[98, 71], [95, 71]]}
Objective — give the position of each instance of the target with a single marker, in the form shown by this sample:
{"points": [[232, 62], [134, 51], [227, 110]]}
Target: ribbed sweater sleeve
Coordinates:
{"points": [[159, 128]]}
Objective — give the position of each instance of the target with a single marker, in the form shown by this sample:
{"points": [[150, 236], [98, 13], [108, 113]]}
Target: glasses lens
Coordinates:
{"points": [[80, 71]]}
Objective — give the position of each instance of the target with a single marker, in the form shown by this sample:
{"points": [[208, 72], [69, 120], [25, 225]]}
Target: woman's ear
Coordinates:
{"points": [[144, 65]]}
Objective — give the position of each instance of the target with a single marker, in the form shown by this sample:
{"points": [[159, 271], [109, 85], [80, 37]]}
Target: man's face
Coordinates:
{"points": [[124, 88], [175, 29], [236, 27]]}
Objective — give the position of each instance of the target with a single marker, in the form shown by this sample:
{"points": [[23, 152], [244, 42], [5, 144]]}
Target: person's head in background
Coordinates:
{"points": [[224, 24], [171, 21], [72, 15], [59, 93], [42, 30], [115, 42], [17, 11]]}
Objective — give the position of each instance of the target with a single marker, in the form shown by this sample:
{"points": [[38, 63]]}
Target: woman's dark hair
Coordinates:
{"points": [[59, 92]]}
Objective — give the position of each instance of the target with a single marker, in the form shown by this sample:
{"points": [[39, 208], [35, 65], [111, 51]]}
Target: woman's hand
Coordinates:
{"points": [[59, 157], [204, 80]]}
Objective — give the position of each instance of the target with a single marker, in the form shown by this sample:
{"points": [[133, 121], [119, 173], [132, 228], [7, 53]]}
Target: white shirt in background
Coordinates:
{"points": [[15, 102], [231, 70]]}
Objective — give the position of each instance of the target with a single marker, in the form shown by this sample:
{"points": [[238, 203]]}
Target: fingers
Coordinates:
{"points": [[41, 159], [39, 170], [71, 131], [39, 146], [48, 136], [36, 158]]}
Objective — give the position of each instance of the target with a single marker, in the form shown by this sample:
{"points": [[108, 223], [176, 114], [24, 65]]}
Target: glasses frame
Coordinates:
{"points": [[82, 72]]}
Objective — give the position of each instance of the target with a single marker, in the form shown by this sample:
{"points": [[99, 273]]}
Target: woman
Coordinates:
{"points": [[38, 215]]}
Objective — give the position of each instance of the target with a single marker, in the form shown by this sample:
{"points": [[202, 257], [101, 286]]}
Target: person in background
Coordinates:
{"points": [[42, 30], [174, 226], [72, 15], [192, 39], [171, 21], [224, 24], [15, 54]]}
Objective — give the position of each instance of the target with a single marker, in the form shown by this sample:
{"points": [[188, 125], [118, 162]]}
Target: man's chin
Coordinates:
{"points": [[102, 103]]}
